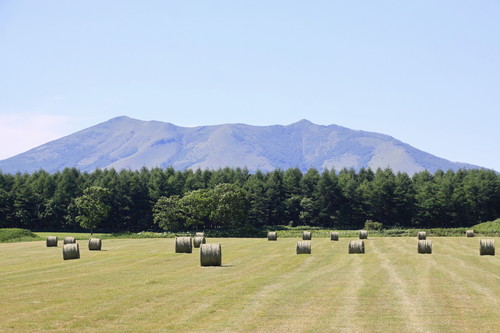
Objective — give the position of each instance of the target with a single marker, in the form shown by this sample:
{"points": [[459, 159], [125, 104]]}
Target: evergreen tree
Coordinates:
{"points": [[275, 194], [258, 211], [328, 193]]}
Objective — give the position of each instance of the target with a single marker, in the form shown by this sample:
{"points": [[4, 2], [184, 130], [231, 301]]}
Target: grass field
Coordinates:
{"points": [[141, 285]]}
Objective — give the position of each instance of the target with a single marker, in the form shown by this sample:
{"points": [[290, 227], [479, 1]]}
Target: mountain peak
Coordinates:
{"points": [[120, 118], [303, 122]]}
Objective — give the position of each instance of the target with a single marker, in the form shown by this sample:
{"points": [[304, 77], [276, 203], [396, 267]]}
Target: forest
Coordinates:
{"points": [[234, 198]]}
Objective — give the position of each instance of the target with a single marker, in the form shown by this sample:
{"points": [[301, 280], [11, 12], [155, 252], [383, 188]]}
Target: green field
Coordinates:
{"points": [[141, 285]]}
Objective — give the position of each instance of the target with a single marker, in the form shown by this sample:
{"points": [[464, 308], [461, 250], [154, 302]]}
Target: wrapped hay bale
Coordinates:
{"points": [[71, 251], [198, 240], [51, 241], [363, 234], [199, 234], [210, 255], [487, 247], [69, 240], [422, 235], [95, 244], [304, 247], [183, 245], [424, 246], [356, 247], [306, 235], [272, 235], [469, 233], [334, 236]]}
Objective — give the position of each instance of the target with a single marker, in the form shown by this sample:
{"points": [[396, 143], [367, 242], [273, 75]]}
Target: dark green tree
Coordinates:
{"points": [[328, 199], [257, 200], [69, 185], [276, 196]]}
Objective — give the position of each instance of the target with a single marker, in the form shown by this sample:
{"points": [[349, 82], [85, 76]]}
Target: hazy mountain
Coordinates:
{"points": [[128, 143]]}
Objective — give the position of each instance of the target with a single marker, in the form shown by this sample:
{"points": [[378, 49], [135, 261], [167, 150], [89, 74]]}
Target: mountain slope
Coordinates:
{"points": [[128, 143]]}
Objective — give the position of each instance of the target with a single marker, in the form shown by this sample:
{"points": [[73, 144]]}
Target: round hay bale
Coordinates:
{"points": [[69, 240], [199, 234], [304, 247], [334, 236], [272, 235], [183, 245], [356, 247], [306, 235], [51, 241], [71, 251], [95, 244], [469, 233], [363, 234], [198, 240], [487, 247], [424, 246], [210, 255], [422, 235]]}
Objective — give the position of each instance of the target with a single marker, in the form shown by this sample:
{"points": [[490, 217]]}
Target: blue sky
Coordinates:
{"points": [[424, 72]]}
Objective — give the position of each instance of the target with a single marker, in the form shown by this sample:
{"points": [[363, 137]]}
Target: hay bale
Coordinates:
{"points": [[199, 234], [198, 240], [306, 235], [334, 236], [71, 251], [95, 244], [363, 234], [469, 233], [487, 247], [304, 247], [69, 240], [422, 235], [272, 235], [51, 241], [210, 255], [424, 246], [183, 245], [356, 247]]}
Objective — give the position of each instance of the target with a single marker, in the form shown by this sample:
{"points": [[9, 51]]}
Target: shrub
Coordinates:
{"points": [[372, 225], [11, 235], [488, 228]]}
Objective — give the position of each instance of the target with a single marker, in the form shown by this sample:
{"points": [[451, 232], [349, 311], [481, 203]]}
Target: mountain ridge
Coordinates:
{"points": [[127, 143]]}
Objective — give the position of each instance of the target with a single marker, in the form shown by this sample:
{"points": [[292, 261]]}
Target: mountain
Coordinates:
{"points": [[126, 143]]}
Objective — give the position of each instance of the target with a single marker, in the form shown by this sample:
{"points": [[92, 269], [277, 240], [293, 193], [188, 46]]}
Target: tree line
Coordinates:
{"points": [[152, 199]]}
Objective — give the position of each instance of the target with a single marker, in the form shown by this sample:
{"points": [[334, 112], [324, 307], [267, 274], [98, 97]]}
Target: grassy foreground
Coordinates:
{"points": [[141, 285]]}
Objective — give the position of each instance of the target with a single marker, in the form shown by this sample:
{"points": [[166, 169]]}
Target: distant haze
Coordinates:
{"points": [[126, 143]]}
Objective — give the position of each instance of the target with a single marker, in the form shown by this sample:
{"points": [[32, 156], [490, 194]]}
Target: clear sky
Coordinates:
{"points": [[425, 72]]}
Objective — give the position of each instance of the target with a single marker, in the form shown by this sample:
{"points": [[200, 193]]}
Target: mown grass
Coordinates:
{"points": [[141, 285]]}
